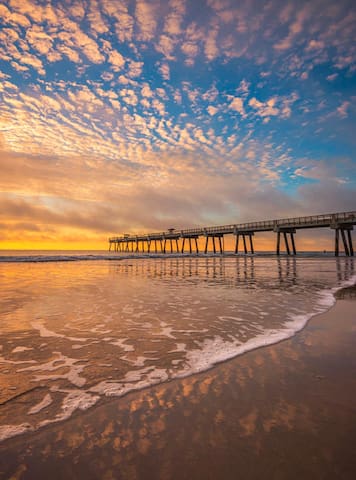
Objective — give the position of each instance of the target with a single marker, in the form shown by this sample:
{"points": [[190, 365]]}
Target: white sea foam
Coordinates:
{"points": [[181, 347], [45, 402], [136, 380], [8, 431], [16, 362], [74, 400], [45, 332], [121, 343], [21, 349], [55, 258], [59, 362]]}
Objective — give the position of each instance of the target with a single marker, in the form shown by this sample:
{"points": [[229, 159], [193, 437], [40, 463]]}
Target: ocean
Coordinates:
{"points": [[79, 327]]}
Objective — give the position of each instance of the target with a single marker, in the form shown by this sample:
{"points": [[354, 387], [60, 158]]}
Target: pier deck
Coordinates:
{"points": [[174, 241]]}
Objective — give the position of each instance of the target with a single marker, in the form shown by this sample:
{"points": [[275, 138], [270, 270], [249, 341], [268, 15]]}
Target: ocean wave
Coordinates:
{"points": [[77, 257]]}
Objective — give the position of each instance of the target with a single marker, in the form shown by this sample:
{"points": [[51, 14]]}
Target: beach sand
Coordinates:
{"points": [[287, 411]]}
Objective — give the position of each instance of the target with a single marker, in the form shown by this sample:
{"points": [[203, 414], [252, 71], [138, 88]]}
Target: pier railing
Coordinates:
{"points": [[266, 225]]}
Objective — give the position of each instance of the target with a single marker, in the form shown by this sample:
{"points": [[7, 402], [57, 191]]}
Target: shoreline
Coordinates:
{"points": [[236, 405]]}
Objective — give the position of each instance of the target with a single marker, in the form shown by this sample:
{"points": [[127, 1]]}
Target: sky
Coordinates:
{"points": [[127, 116]]}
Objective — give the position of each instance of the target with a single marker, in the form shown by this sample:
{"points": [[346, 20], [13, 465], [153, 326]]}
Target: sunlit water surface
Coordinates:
{"points": [[75, 332]]}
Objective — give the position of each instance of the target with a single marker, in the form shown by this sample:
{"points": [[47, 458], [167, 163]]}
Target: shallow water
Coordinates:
{"points": [[73, 333]]}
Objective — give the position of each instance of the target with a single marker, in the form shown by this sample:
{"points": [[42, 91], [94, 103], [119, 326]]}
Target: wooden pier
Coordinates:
{"points": [[186, 241]]}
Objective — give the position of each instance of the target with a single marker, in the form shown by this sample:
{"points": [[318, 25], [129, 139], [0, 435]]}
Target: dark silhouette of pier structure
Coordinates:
{"points": [[184, 241]]}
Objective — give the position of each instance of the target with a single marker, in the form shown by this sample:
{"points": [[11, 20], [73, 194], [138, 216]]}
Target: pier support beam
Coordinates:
{"points": [[345, 231], [244, 242], [190, 239], [213, 237], [206, 245], [249, 235], [220, 245], [293, 243], [237, 244], [286, 242], [278, 243], [285, 231], [182, 251], [350, 242], [251, 244]]}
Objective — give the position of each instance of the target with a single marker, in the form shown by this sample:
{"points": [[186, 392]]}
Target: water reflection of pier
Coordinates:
{"points": [[229, 271], [178, 241], [345, 268]]}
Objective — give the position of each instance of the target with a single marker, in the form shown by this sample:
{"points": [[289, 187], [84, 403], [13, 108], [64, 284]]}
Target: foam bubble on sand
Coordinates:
{"points": [[45, 332], [74, 400], [100, 328], [181, 347], [121, 343], [139, 361], [8, 431], [16, 362], [21, 349], [135, 380], [47, 400], [165, 330], [60, 361]]}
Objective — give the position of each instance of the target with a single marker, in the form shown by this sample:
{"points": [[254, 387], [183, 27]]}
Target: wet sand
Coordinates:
{"points": [[287, 411]]}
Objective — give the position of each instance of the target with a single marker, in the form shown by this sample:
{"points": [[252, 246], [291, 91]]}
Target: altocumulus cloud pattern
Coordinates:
{"points": [[131, 115]]}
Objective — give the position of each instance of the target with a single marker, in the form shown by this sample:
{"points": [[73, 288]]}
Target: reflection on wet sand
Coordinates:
{"points": [[286, 411], [238, 272]]}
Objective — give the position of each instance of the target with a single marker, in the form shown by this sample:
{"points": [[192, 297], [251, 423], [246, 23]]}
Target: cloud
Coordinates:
{"points": [[146, 17], [175, 16], [332, 77], [34, 62], [211, 49], [166, 46], [165, 71], [135, 69], [116, 59], [39, 39], [88, 46], [237, 104], [342, 109], [264, 109], [191, 50], [212, 110], [274, 106], [295, 29], [315, 45]]}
